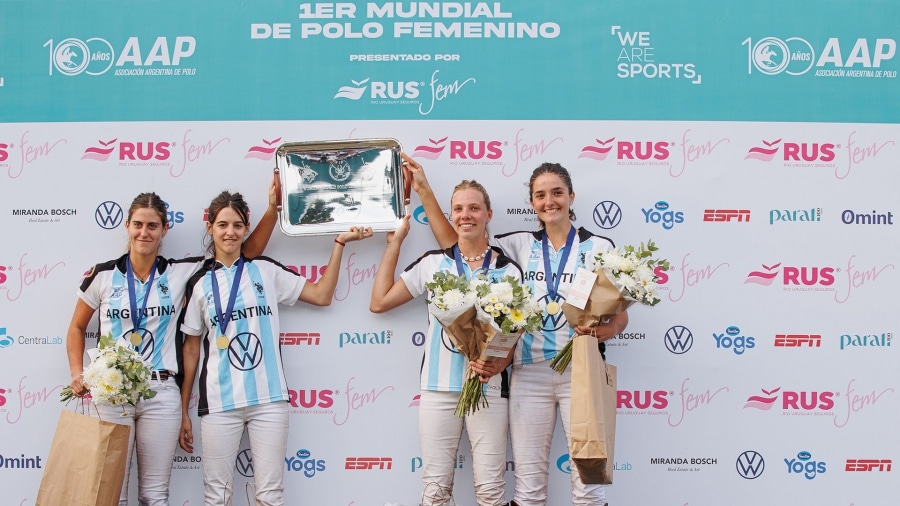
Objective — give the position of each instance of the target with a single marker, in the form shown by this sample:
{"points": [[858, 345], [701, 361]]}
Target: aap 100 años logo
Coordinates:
{"points": [[797, 56], [96, 56]]}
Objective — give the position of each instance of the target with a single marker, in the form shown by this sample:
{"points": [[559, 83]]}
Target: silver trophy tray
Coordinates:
{"points": [[329, 186]]}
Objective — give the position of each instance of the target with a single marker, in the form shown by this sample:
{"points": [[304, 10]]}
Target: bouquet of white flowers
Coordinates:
{"points": [[117, 375], [624, 276], [484, 320]]}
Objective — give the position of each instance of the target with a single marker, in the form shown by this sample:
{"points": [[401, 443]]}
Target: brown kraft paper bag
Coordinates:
{"points": [[593, 415], [86, 464]]}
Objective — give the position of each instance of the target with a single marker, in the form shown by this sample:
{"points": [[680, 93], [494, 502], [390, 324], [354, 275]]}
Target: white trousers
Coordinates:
{"points": [[535, 391], [267, 428], [439, 433], [155, 424]]}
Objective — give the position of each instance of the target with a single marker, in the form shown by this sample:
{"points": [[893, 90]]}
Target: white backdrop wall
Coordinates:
{"points": [[767, 374]]}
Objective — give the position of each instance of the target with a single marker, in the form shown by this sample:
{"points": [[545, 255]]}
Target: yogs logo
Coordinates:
{"points": [[461, 149], [750, 465], [109, 215], [792, 401], [803, 465], [679, 339], [627, 150], [732, 339], [793, 151], [245, 351], [796, 56], [303, 462], [607, 214], [96, 56], [660, 213], [792, 276], [173, 217], [308, 399]]}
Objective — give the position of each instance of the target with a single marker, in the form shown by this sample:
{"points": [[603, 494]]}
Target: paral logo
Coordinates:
{"points": [[880, 341], [792, 276], [642, 399], [813, 214], [802, 401], [629, 152], [851, 217], [299, 338], [96, 56], [607, 214], [796, 56], [361, 338], [660, 213], [6, 340], [803, 464], [798, 340], [302, 461], [412, 92], [312, 399], [129, 151], [416, 463], [717, 215], [750, 465], [368, 463], [733, 340], [265, 151], [868, 465], [462, 152], [794, 154]]}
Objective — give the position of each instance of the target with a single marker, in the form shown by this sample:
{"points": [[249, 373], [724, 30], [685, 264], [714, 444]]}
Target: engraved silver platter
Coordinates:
{"points": [[329, 186]]}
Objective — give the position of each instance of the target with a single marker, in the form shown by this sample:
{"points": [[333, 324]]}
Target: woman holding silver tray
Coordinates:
{"points": [[232, 313], [443, 367]]}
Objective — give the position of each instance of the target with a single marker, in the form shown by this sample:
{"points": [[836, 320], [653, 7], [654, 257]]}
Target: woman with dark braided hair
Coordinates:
{"points": [[139, 297], [232, 314]]}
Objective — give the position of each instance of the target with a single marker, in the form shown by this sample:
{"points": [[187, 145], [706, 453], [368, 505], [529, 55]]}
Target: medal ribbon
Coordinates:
{"points": [[459, 265], [553, 284], [137, 317], [232, 297]]}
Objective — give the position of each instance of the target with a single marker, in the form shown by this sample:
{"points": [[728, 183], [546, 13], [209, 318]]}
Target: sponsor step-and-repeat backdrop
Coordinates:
{"points": [[755, 144]]}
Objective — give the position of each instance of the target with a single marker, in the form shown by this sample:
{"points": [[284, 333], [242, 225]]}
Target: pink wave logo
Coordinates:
{"points": [[763, 402], [101, 154], [415, 401], [763, 154], [263, 152], [763, 278], [430, 152], [597, 152]]}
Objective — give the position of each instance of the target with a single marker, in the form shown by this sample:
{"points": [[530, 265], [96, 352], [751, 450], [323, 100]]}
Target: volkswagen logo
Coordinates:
{"points": [[245, 351], [109, 215], [607, 214], [679, 339], [750, 465]]}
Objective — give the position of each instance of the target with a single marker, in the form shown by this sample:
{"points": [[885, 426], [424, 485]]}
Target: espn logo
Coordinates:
{"points": [[726, 215], [367, 463], [798, 340], [298, 338], [868, 465]]}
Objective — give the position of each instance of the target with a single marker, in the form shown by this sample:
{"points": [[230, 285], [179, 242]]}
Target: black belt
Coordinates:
{"points": [[163, 375]]}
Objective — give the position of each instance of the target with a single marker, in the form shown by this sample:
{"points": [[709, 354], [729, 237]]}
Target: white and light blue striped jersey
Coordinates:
{"points": [[248, 371], [443, 367], [105, 289], [525, 248]]}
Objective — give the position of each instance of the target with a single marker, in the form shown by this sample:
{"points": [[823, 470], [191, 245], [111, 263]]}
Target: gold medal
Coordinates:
{"points": [[136, 339], [552, 307], [222, 342]]}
